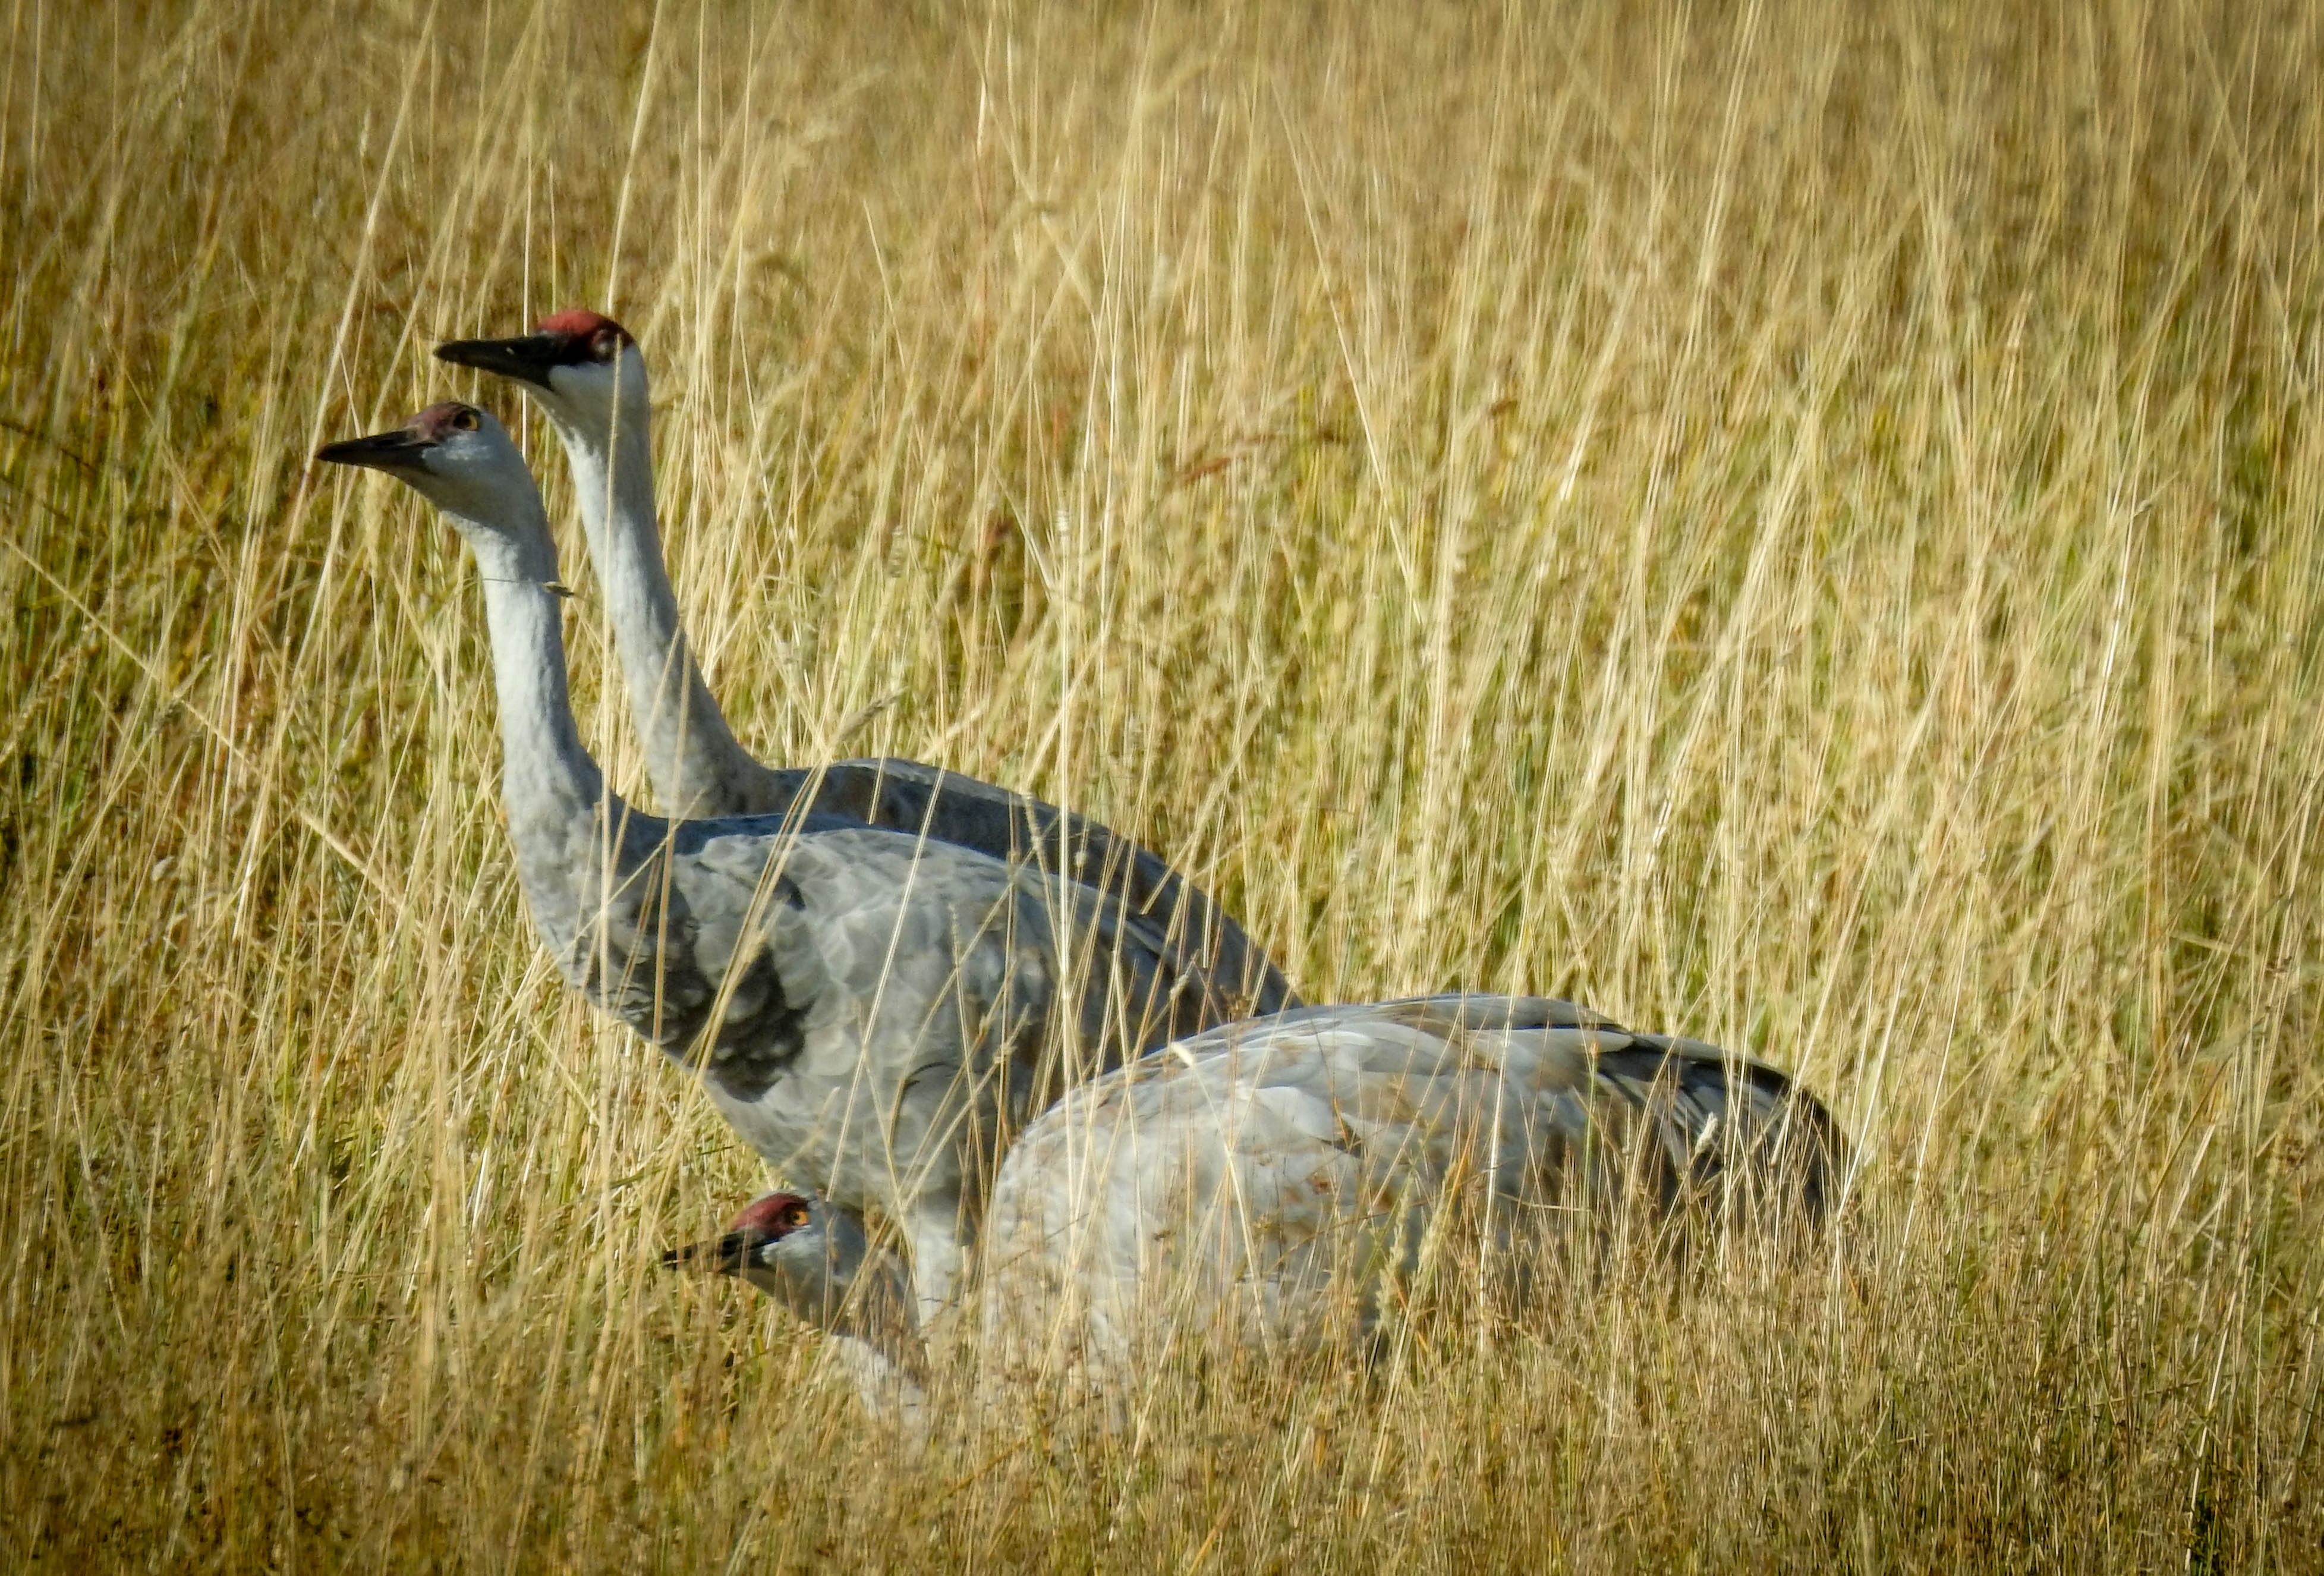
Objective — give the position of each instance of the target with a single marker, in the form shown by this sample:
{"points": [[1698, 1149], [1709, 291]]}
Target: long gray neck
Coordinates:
{"points": [[697, 767], [551, 787]]}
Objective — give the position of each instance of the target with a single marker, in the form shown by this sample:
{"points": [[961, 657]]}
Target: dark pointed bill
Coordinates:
{"points": [[529, 356], [406, 448], [401, 450], [726, 1256], [566, 338]]}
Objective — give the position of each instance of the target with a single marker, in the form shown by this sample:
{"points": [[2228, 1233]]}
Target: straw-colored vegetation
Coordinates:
{"points": [[1790, 522]]}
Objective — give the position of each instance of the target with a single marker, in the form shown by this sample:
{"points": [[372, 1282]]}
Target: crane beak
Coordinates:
{"points": [[393, 452], [730, 1255], [530, 357]]}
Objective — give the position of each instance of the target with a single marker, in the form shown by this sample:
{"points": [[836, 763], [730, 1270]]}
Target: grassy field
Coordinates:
{"points": [[1789, 522]]}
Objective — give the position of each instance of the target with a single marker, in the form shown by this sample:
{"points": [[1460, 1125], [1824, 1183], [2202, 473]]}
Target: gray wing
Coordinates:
{"points": [[1718, 1118], [845, 910], [1732, 1128], [1204, 944]]}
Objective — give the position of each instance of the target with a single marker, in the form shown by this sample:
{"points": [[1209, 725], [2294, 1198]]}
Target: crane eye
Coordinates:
{"points": [[466, 420], [795, 1217], [605, 345]]}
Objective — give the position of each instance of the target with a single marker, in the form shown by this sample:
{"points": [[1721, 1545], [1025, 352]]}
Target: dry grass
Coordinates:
{"points": [[1791, 524]]}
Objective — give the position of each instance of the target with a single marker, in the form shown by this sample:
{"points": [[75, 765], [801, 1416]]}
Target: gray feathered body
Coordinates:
{"points": [[1206, 949], [1281, 1181], [875, 1013]]}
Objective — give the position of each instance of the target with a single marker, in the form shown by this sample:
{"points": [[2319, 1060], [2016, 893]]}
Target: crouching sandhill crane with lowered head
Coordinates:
{"points": [[1280, 1184], [815, 1261], [588, 377], [873, 1011]]}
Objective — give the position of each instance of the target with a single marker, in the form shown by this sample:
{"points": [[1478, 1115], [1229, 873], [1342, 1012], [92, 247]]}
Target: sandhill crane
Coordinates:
{"points": [[815, 1261], [1277, 1181], [1281, 1182], [872, 1010], [588, 376]]}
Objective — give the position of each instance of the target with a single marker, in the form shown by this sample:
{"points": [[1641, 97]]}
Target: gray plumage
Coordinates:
{"points": [[588, 376], [1280, 1182], [873, 1011]]}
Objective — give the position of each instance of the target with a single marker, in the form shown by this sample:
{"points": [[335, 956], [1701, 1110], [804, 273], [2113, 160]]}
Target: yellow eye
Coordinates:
{"points": [[795, 1217], [605, 345], [465, 419]]}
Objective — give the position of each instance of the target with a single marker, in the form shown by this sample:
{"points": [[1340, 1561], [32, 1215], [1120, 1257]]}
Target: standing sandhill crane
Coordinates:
{"points": [[1281, 1182], [588, 376], [872, 1010]]}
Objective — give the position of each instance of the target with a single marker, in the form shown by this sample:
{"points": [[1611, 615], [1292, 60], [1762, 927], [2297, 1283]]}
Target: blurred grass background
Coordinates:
{"points": [[1791, 522]]}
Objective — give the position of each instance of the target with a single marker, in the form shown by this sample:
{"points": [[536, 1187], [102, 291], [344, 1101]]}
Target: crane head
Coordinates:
{"points": [[446, 444], [408, 449], [456, 456], [754, 1238], [578, 364], [802, 1251]]}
